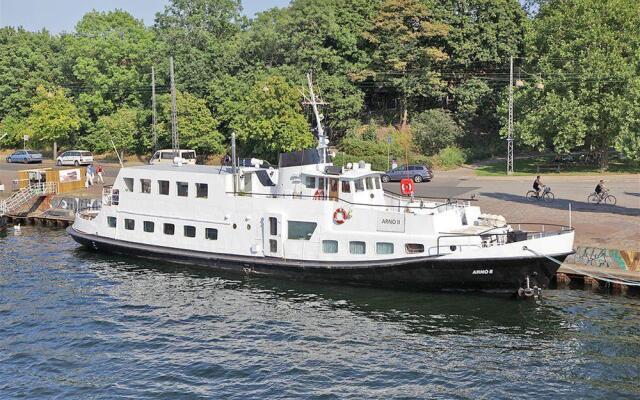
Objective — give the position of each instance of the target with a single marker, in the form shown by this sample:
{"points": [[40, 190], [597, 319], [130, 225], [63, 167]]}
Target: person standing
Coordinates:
{"points": [[90, 174], [394, 164], [99, 172]]}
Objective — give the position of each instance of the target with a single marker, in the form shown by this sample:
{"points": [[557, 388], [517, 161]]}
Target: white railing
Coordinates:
{"points": [[26, 194]]}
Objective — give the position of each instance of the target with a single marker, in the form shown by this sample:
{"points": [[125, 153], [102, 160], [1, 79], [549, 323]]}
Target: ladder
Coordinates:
{"points": [[25, 195]]}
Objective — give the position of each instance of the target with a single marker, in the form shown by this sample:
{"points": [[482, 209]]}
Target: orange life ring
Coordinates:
{"points": [[318, 195], [407, 187], [340, 216]]}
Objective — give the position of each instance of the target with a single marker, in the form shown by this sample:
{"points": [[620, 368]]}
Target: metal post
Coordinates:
{"points": [[510, 125], [388, 152], [569, 215], [233, 162], [153, 108], [174, 114]]}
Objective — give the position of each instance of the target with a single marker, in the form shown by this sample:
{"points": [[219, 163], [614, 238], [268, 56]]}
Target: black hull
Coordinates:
{"points": [[428, 273]]}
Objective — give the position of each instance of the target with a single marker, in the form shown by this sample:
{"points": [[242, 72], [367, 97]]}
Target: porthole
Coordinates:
{"points": [[235, 226], [248, 227], [453, 248]]}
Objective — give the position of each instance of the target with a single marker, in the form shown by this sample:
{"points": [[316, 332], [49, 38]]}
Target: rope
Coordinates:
{"points": [[620, 281]]}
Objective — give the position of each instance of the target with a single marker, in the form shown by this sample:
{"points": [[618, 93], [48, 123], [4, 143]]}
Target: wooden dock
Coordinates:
{"points": [[40, 219]]}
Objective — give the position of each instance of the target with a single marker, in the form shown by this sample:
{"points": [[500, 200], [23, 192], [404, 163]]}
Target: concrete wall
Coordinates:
{"points": [[626, 260]]}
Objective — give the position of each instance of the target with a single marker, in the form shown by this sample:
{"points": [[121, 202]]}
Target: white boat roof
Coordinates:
{"points": [[188, 168]]}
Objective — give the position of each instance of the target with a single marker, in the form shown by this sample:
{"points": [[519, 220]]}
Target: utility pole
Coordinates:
{"points": [[174, 114], [154, 118], [323, 143], [510, 126]]}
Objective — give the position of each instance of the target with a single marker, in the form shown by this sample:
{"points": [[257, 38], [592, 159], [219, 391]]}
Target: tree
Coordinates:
{"points": [[28, 60], [119, 130], [108, 63], [586, 53], [196, 126], [200, 35], [407, 44], [271, 119], [434, 130], [53, 118]]}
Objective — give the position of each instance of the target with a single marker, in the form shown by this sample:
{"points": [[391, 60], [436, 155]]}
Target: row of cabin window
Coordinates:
{"points": [[369, 182], [182, 188], [358, 247], [167, 228]]}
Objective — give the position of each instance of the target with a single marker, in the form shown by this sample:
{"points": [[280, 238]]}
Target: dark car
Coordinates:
{"points": [[25, 156], [418, 173]]}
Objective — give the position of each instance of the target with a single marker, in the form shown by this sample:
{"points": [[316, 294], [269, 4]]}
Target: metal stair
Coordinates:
{"points": [[25, 195]]}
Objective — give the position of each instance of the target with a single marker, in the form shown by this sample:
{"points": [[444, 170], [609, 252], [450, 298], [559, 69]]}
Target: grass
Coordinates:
{"points": [[528, 166]]}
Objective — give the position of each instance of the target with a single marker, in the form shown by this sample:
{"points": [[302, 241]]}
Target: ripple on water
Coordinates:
{"points": [[76, 324]]}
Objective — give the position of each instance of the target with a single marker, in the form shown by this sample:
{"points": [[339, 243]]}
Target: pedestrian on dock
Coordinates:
{"points": [[90, 174], [99, 171]]}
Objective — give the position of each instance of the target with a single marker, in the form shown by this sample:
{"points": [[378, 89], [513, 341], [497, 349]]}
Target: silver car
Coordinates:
{"points": [[75, 157], [25, 156], [419, 173]]}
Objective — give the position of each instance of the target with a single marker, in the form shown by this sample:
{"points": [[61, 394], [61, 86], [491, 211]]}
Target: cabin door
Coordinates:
{"points": [[272, 234]]}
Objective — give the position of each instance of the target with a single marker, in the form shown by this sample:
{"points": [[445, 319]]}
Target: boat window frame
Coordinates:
{"points": [[128, 184], [147, 224], [348, 186], [185, 186], [378, 248], [303, 230], [359, 183], [191, 229], [199, 187], [165, 230], [129, 224], [419, 248], [332, 241], [209, 236], [364, 247], [145, 184], [310, 182], [161, 185], [112, 222]]}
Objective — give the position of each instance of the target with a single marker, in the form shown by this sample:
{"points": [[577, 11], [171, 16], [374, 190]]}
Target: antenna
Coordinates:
{"points": [[174, 113], [154, 118], [314, 102]]}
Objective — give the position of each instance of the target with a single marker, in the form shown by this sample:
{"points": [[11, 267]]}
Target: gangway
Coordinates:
{"points": [[25, 195]]}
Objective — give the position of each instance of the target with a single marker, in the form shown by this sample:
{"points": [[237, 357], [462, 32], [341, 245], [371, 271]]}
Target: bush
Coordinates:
{"points": [[434, 130], [450, 157]]}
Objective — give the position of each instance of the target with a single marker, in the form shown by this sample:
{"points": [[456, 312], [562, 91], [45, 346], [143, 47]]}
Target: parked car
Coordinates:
{"points": [[418, 173], [25, 156], [167, 156], [75, 157]]}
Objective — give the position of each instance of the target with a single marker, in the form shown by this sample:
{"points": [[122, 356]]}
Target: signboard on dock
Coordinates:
{"points": [[69, 175], [390, 222]]}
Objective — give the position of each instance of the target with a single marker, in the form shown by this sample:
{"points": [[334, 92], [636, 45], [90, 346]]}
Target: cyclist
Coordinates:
{"points": [[601, 189], [538, 185]]}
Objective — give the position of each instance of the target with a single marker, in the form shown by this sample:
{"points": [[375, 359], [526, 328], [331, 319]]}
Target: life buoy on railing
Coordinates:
{"points": [[407, 187], [318, 195], [340, 216]]}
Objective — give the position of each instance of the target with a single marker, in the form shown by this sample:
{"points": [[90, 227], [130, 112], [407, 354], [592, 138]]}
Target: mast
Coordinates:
{"points": [[323, 142], [154, 118], [510, 124], [174, 114]]}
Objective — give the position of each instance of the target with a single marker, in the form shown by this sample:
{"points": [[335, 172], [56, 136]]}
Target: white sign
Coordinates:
{"points": [[26, 137], [390, 222], [69, 175]]}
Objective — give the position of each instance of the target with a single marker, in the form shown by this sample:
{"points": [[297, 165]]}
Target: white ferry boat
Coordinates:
{"points": [[311, 220]]}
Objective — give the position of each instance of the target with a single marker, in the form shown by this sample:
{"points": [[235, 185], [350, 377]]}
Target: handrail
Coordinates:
{"points": [[401, 197], [275, 195]]}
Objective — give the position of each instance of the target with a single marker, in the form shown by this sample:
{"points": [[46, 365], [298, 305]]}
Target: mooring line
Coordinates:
{"points": [[620, 281]]}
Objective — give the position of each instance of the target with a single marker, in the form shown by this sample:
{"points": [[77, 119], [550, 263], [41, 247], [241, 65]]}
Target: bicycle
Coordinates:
{"points": [[546, 195], [595, 198]]}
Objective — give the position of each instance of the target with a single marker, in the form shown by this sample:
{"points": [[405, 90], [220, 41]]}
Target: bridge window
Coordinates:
{"points": [[369, 181], [111, 221], [129, 224], [145, 185], [169, 229], [377, 180], [189, 231], [183, 189], [148, 226], [310, 182], [346, 187], [359, 185], [321, 183], [384, 248], [163, 187], [330, 246], [202, 190], [128, 183], [357, 247], [300, 230], [211, 234], [413, 248]]}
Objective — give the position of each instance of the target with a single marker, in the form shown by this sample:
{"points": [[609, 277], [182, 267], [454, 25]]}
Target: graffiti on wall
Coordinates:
{"points": [[627, 260]]}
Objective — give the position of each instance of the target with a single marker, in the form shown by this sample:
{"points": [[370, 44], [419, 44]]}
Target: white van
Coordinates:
{"points": [[167, 156]]}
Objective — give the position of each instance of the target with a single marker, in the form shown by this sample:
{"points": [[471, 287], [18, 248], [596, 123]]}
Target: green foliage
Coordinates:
{"points": [[197, 127], [433, 130], [121, 128], [587, 52], [270, 119], [450, 157], [53, 117]]}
